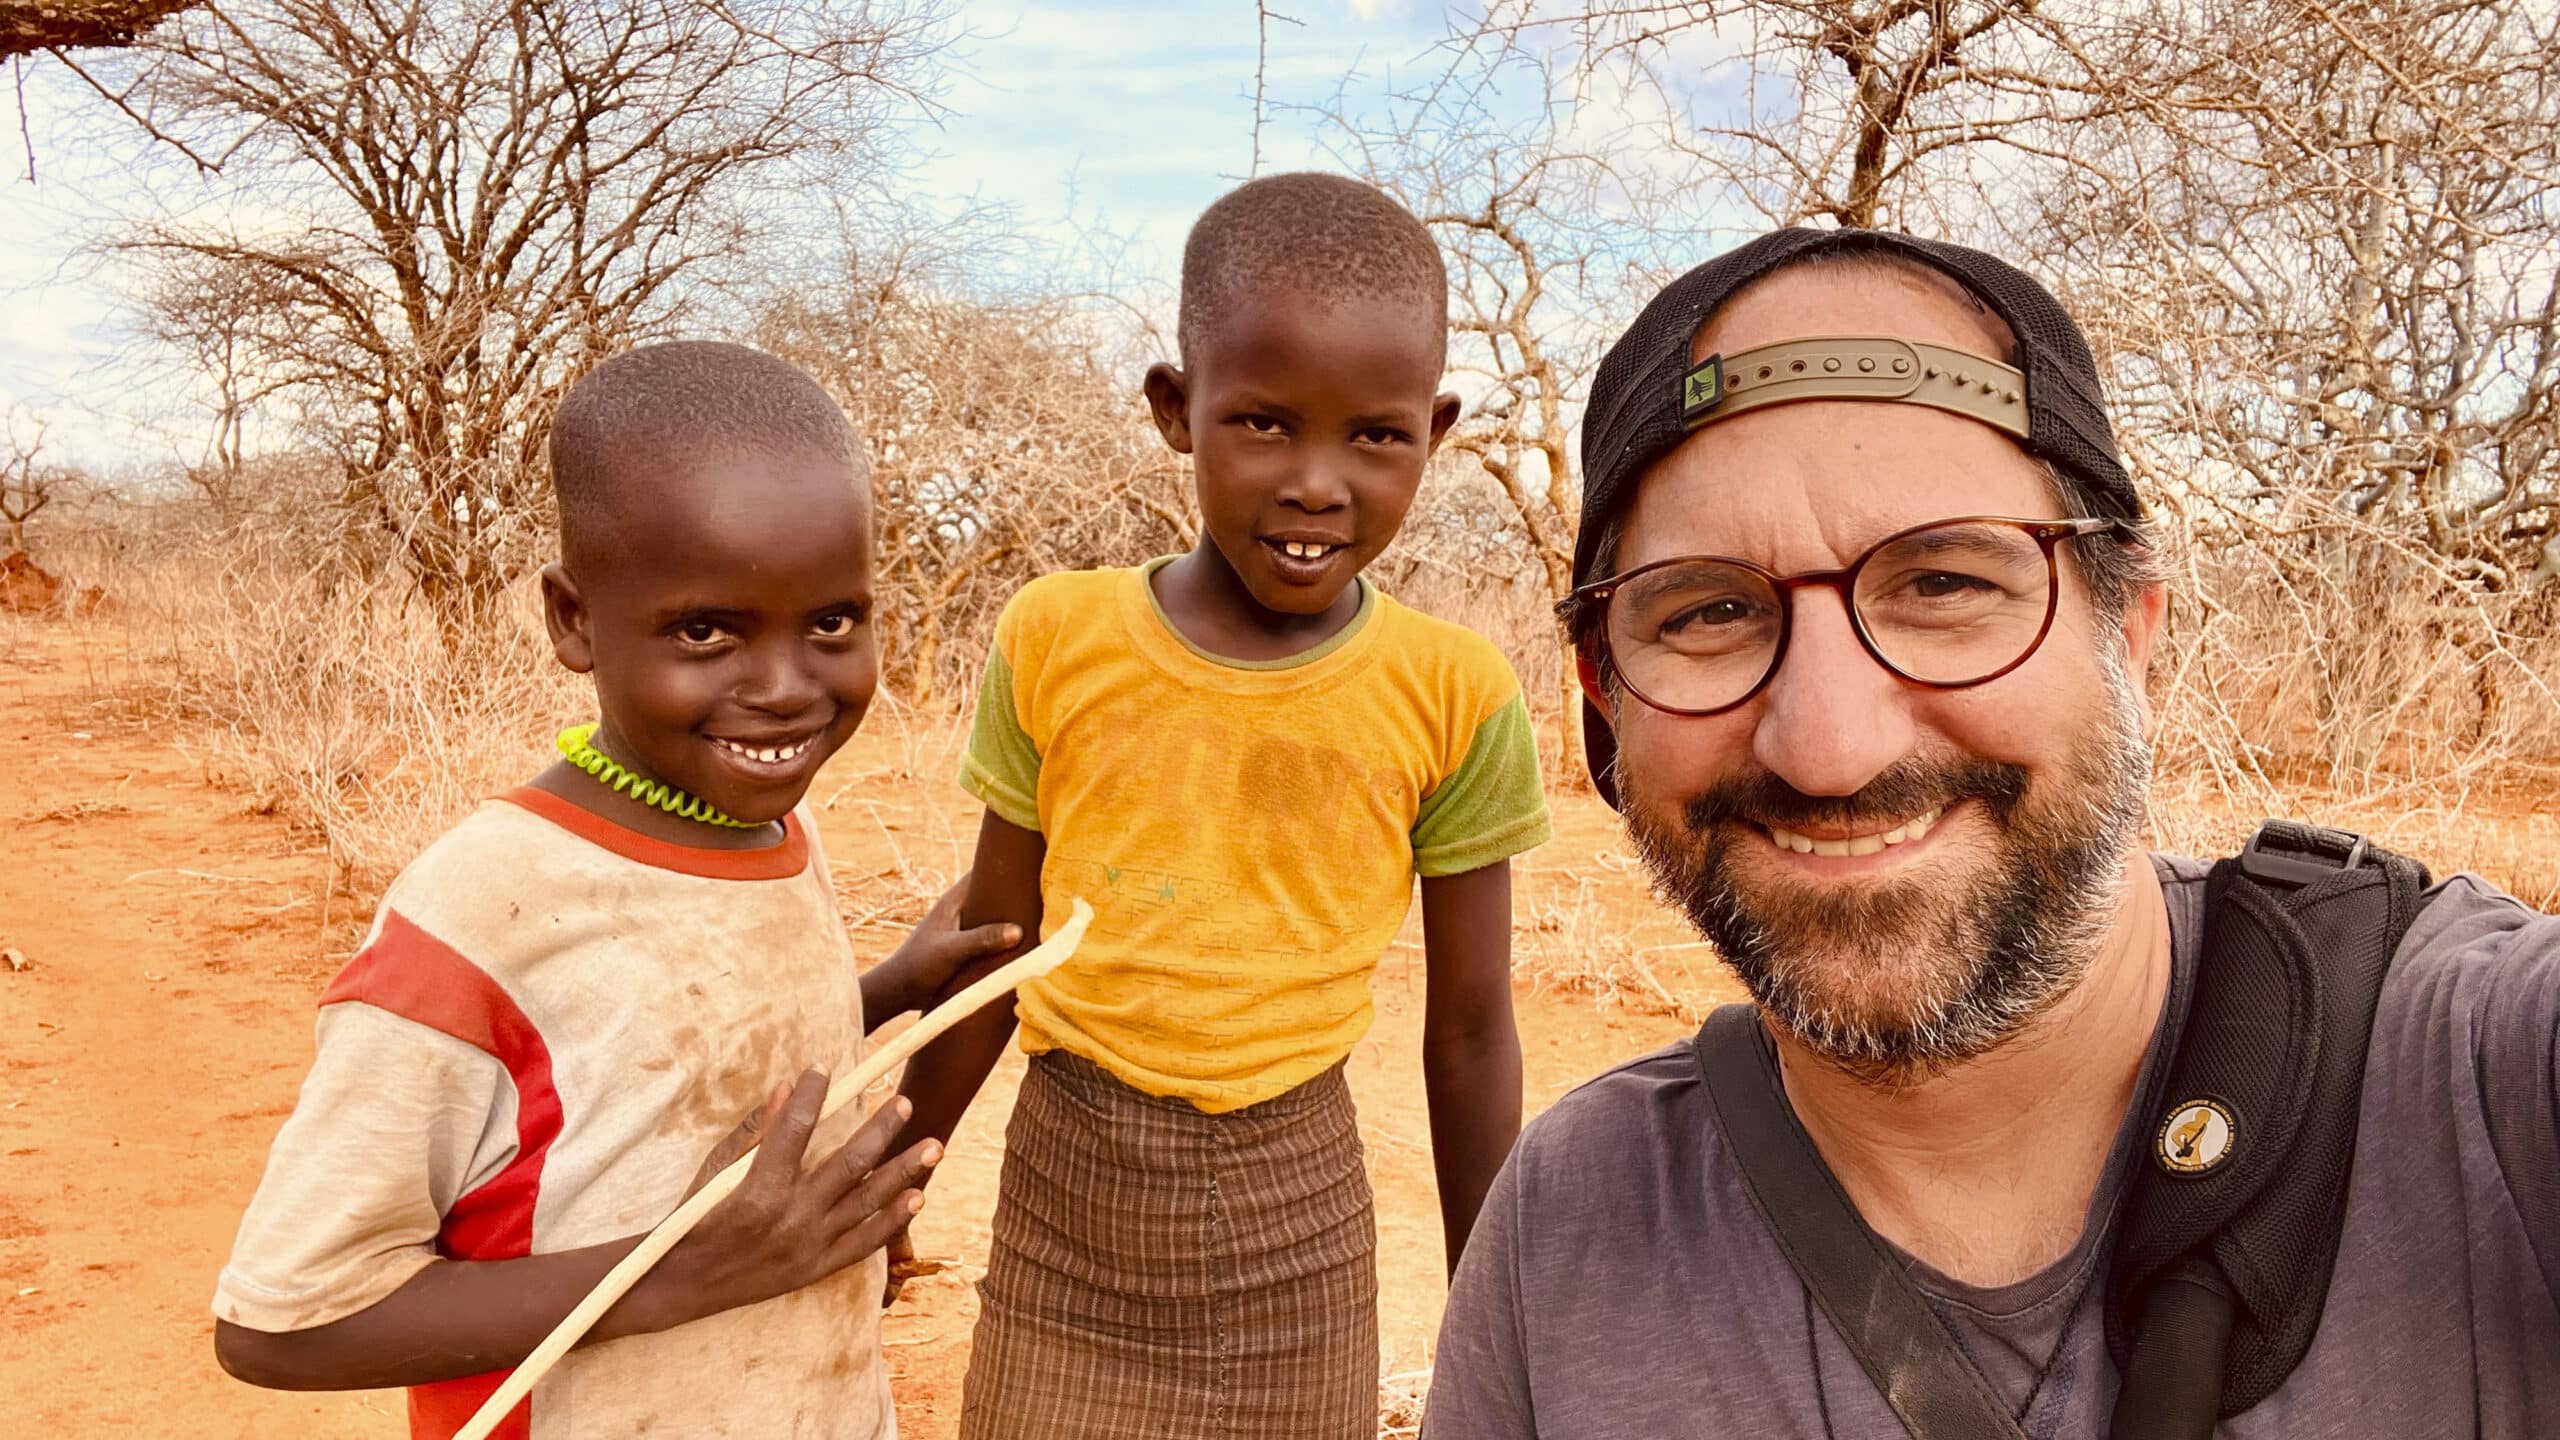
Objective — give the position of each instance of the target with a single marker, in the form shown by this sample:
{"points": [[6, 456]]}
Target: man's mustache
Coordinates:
{"points": [[1911, 787]]}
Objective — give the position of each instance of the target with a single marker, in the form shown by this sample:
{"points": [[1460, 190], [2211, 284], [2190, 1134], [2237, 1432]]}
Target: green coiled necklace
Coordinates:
{"points": [[577, 747]]}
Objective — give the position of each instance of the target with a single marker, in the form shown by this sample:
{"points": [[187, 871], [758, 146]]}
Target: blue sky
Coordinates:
{"points": [[1120, 119]]}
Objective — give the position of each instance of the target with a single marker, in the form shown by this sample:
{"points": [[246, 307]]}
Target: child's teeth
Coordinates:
{"points": [[769, 754]]}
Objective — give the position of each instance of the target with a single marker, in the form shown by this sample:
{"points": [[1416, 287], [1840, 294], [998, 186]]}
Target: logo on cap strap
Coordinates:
{"points": [[1700, 389], [1856, 367]]}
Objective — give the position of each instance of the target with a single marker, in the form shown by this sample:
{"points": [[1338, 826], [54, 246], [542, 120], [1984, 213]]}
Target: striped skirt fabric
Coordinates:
{"points": [[1163, 1274]]}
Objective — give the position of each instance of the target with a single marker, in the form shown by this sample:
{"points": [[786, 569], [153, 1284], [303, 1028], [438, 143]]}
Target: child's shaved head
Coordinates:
{"points": [[1326, 236], [667, 407]]}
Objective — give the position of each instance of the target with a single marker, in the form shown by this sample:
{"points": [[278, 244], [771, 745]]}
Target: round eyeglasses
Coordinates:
{"points": [[1948, 604]]}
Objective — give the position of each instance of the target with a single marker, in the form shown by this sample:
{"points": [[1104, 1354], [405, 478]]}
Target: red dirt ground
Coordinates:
{"points": [[175, 942]]}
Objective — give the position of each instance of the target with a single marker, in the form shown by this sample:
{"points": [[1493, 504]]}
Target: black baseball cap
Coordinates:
{"points": [[1648, 395]]}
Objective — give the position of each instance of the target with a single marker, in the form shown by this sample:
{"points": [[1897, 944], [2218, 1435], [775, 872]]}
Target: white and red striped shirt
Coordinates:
{"points": [[553, 1021]]}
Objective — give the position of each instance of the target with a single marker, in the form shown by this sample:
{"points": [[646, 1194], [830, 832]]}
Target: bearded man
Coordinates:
{"points": [[1864, 613]]}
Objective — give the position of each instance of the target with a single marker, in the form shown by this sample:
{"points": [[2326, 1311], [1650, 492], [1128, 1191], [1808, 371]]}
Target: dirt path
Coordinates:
{"points": [[176, 943]]}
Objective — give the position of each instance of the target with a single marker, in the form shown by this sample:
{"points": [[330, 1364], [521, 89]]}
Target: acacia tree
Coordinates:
{"points": [[1853, 111], [24, 487], [481, 198], [2330, 298], [2336, 274]]}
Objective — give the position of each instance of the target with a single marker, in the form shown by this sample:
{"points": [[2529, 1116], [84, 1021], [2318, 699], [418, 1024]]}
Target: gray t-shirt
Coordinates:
{"points": [[1619, 1283]]}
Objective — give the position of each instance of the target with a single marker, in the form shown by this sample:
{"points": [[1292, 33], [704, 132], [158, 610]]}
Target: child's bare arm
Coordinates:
{"points": [[1470, 1047], [1004, 888], [783, 1229]]}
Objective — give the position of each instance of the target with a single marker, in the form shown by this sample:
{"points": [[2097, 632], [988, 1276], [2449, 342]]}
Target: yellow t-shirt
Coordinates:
{"points": [[1248, 833]]}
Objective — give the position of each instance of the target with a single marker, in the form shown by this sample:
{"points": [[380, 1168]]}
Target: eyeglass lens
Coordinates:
{"points": [[1948, 605]]}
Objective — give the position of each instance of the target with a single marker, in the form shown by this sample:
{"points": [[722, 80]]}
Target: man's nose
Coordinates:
{"points": [[1832, 719]]}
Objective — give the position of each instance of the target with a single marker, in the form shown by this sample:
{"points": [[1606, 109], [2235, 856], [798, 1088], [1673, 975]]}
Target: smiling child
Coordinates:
{"points": [[1243, 756], [568, 1001]]}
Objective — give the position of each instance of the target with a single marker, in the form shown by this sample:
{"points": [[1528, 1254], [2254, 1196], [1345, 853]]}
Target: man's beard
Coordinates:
{"points": [[1895, 979]]}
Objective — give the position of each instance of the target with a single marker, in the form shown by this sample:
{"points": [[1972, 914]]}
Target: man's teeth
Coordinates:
{"points": [[1306, 550], [1911, 829], [769, 754]]}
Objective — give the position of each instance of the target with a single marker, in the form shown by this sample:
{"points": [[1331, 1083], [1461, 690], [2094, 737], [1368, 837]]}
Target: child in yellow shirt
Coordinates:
{"points": [[1242, 756]]}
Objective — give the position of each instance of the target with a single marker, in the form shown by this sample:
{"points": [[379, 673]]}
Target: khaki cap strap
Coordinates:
{"points": [[1856, 367]]}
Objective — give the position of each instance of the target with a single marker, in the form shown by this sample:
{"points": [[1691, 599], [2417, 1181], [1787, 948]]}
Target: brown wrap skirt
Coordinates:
{"points": [[1159, 1273]]}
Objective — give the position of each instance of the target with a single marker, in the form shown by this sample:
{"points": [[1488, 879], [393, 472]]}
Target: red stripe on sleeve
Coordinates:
{"points": [[412, 974], [439, 1411]]}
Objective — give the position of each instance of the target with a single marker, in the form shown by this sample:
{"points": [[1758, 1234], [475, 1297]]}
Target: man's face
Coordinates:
{"points": [[2010, 806]]}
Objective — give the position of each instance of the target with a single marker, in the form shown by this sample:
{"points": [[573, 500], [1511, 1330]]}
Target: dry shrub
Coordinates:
{"points": [[2334, 670], [1006, 435], [332, 697]]}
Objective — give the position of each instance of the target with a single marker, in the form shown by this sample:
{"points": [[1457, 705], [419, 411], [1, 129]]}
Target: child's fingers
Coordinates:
{"points": [[903, 1266], [739, 1141], [786, 1132], [865, 1148], [908, 1171], [875, 1230], [989, 939], [946, 906]]}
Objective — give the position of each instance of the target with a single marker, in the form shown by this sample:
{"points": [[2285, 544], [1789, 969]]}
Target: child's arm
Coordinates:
{"points": [[921, 970], [1004, 888], [1470, 1048], [783, 1229]]}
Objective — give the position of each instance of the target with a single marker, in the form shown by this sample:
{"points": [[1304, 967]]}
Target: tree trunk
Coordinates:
{"points": [[1575, 776]]}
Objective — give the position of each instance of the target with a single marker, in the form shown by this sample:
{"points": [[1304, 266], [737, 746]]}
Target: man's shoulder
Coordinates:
{"points": [[1653, 1105], [2464, 913]]}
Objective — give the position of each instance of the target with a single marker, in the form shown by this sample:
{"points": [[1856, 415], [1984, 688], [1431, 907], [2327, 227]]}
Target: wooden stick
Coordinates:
{"points": [[1047, 956]]}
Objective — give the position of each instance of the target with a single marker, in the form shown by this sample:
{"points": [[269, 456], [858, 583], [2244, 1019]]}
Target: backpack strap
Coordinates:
{"points": [[1923, 1373], [2225, 1245]]}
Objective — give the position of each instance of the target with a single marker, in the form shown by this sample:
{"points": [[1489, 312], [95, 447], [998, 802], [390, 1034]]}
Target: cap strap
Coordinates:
{"points": [[1856, 367]]}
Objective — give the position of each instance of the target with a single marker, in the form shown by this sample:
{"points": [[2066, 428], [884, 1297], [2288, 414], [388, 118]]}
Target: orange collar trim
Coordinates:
{"points": [[774, 862]]}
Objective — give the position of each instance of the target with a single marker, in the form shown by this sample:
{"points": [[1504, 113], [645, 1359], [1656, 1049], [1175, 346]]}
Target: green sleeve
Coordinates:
{"points": [[1001, 765], [1490, 808]]}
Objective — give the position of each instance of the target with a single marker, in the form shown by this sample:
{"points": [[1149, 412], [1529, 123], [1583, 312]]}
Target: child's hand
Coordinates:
{"points": [[921, 970], [786, 1227], [905, 1266]]}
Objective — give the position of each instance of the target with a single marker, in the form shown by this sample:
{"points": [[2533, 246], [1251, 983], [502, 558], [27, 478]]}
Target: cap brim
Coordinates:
{"points": [[1600, 752]]}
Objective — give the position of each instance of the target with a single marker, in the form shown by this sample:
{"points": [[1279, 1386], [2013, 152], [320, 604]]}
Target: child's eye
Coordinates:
{"points": [[700, 632], [1259, 424], [1380, 435], [837, 625]]}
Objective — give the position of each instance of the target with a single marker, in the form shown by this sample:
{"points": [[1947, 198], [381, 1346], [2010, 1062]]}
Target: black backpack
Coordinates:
{"points": [[2223, 1249]]}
